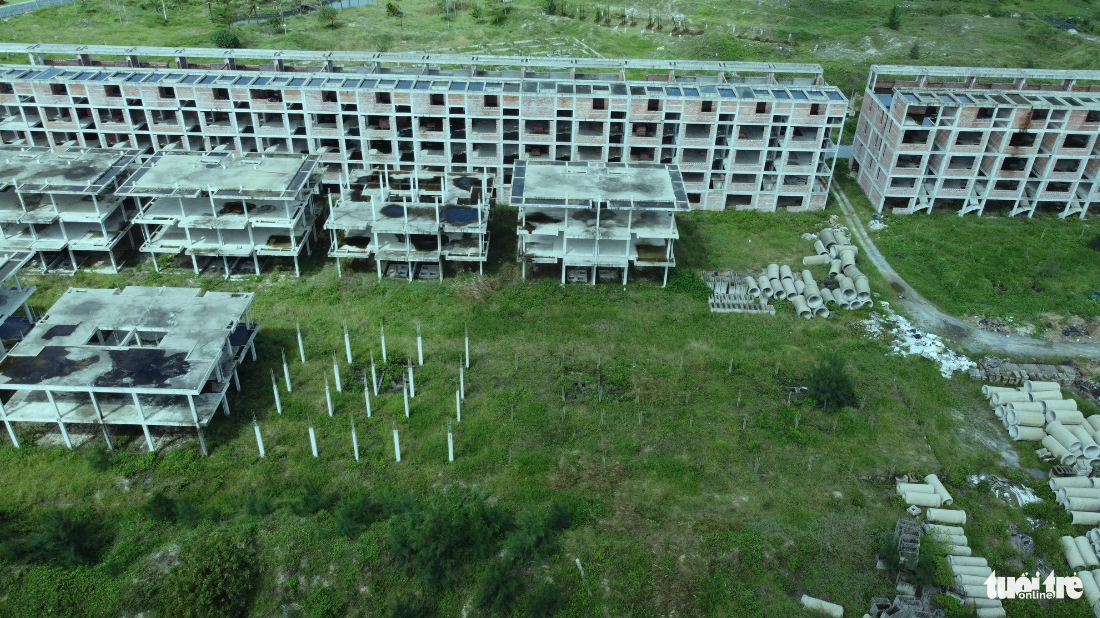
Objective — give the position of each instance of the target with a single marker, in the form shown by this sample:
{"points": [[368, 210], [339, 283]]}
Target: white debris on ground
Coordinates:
{"points": [[1001, 488], [876, 225], [909, 340], [809, 236]]}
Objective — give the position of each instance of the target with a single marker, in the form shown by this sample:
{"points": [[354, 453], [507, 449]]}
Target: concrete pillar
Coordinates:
{"points": [[102, 425], [373, 376], [462, 381], [141, 414], [412, 384], [7, 423], [467, 347]]}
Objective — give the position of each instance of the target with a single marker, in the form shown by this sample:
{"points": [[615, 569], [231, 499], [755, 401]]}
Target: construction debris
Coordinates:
{"points": [[992, 369], [730, 293], [908, 340]]}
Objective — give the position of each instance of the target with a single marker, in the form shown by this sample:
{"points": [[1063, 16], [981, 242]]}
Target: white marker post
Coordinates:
{"points": [[366, 395], [373, 376], [313, 440], [412, 384], [450, 443], [336, 372], [467, 347], [396, 445], [405, 392], [462, 381], [354, 438], [286, 372], [301, 346], [419, 346], [458, 405], [328, 396], [347, 341], [275, 388], [382, 328], [259, 439]]}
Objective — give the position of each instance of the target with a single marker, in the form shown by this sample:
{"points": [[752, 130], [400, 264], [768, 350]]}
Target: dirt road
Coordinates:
{"points": [[925, 315]]}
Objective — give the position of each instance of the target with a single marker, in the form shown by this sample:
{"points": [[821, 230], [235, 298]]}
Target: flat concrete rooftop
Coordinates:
{"points": [[622, 186], [61, 170], [140, 339], [227, 174]]}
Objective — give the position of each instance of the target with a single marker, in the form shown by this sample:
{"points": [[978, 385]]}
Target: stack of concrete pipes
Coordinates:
{"points": [[970, 571], [800, 288], [1080, 496], [1029, 411], [930, 493], [835, 249], [1081, 555]]}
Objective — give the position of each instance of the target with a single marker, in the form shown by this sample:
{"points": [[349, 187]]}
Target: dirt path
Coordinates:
{"points": [[925, 315]]}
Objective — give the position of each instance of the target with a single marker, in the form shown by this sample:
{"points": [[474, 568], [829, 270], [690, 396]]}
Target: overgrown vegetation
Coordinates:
{"points": [[214, 578], [830, 385]]}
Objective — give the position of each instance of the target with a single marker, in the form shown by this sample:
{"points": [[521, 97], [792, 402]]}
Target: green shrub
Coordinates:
{"points": [[893, 22], [830, 386], [327, 15], [311, 500], [393, 10], [62, 538], [258, 505], [324, 603], [545, 601], [225, 39], [160, 507], [716, 45], [685, 281], [215, 577], [407, 608], [352, 514], [498, 587]]}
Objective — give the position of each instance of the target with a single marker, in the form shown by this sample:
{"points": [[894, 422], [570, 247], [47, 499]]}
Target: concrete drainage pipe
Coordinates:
{"points": [[816, 260], [824, 607], [1001, 412], [1066, 417], [773, 271], [1059, 404], [981, 571], [753, 289], [788, 288], [1032, 386], [777, 289], [1060, 452], [987, 390], [1065, 493], [1059, 482], [954, 561], [1024, 406], [970, 580], [919, 488], [1073, 555], [991, 612], [946, 516], [1002, 398], [838, 251], [1087, 552], [1088, 586], [785, 273], [1060, 433], [1094, 421], [1089, 447], [765, 287], [835, 268], [827, 296], [847, 290], [821, 312], [826, 237], [1087, 505], [1026, 433], [813, 295], [941, 491], [800, 307], [863, 290], [1027, 419], [919, 499], [799, 287], [1085, 518], [1045, 395], [957, 550], [847, 258], [819, 248]]}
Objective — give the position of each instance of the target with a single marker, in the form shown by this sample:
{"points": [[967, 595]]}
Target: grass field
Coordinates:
{"points": [[694, 488]]}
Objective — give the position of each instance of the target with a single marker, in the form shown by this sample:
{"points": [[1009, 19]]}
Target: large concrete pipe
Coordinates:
{"points": [[1073, 555], [1088, 586], [982, 571], [1060, 452], [987, 390], [1057, 482], [948, 539], [957, 550], [847, 288], [919, 499], [960, 561], [777, 289], [788, 287], [785, 273], [1089, 447], [1087, 553], [941, 491], [847, 258], [1045, 395], [765, 287], [824, 607], [1001, 412], [816, 260], [1066, 417], [835, 268], [1063, 493], [1028, 419], [991, 612], [1059, 404], [751, 287], [1060, 433], [826, 237], [863, 290], [773, 271], [975, 591], [801, 309], [920, 488], [1026, 406], [1004, 397], [799, 287], [1023, 433], [821, 312], [852, 272], [1085, 518], [839, 249], [1094, 421], [1087, 505], [1032, 386], [1093, 536], [942, 529], [819, 248], [945, 516], [970, 580], [827, 296]]}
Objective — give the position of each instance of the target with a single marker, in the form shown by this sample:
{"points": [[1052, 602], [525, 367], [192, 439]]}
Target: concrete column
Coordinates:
{"points": [[102, 425], [7, 423], [198, 427], [144, 427]]}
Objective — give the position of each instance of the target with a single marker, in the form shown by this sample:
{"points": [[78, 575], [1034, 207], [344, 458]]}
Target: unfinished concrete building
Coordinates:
{"points": [[743, 135], [410, 223], [150, 357], [225, 205], [976, 139], [13, 298], [597, 220], [60, 203]]}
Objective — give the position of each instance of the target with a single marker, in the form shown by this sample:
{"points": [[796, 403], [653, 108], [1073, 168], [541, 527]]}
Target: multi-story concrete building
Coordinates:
{"points": [[743, 135], [60, 202], [972, 139]]}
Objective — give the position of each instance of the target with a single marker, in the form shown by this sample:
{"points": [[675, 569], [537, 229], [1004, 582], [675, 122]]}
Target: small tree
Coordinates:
{"points": [[393, 10], [327, 15], [914, 52], [225, 39], [477, 13], [499, 14], [830, 384], [216, 576], [894, 21]]}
